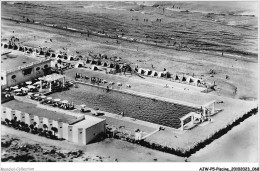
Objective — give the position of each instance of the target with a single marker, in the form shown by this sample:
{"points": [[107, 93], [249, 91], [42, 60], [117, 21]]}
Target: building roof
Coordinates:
{"points": [[52, 77], [34, 110], [88, 122], [187, 116], [11, 61]]}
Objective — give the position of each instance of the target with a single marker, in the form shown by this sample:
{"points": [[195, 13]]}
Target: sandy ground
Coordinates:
{"points": [[238, 145], [109, 150], [243, 74]]}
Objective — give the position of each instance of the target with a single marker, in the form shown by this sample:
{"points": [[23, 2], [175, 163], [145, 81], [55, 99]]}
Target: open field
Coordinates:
{"points": [[205, 35]]}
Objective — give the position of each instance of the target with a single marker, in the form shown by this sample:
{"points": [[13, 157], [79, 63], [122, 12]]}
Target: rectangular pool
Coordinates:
{"points": [[142, 108]]}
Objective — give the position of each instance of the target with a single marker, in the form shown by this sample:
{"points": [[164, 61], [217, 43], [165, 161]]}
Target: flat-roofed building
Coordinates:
{"points": [[81, 129], [88, 129], [16, 69]]}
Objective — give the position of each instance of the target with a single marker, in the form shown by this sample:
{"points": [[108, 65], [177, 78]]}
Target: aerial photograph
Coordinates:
{"points": [[129, 81]]}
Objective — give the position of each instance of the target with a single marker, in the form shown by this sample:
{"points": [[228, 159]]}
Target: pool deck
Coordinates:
{"points": [[178, 92], [152, 87], [135, 93]]}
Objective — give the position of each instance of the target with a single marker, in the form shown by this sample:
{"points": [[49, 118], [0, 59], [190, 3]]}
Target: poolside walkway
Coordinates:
{"points": [[145, 95]]}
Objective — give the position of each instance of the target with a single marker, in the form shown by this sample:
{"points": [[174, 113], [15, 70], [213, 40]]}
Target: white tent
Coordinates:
{"points": [[58, 56], [198, 81], [94, 67], [141, 70], [160, 74], [105, 64], [177, 77], [190, 79], [154, 73], [184, 78], [147, 72], [79, 64], [70, 58]]}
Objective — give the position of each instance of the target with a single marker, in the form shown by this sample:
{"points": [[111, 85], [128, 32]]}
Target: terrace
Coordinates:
{"points": [[11, 61]]}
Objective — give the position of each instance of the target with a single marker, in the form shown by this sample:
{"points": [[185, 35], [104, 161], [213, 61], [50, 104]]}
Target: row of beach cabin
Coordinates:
{"points": [[108, 64]]}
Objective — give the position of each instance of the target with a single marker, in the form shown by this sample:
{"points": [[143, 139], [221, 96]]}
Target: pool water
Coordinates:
{"points": [[146, 109]]}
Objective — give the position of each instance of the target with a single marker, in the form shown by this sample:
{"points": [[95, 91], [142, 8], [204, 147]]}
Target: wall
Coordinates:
{"points": [[20, 77], [3, 79], [93, 131], [77, 135]]}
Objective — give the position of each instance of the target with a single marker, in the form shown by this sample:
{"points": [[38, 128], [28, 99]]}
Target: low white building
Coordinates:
{"points": [[82, 132], [16, 69], [88, 129]]}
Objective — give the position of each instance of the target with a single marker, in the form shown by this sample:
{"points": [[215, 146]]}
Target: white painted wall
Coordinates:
{"points": [[20, 77], [94, 130]]}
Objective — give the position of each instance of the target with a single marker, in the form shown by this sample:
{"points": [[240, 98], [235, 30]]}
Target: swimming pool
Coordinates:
{"points": [[146, 109]]}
